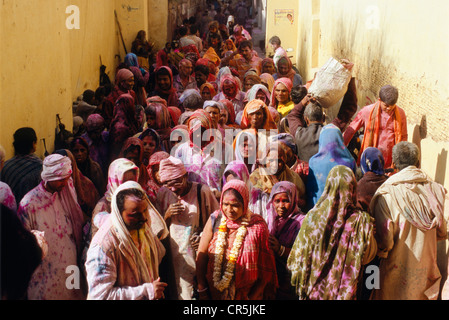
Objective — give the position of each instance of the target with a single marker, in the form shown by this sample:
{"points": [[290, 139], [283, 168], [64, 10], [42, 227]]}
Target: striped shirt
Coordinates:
{"points": [[22, 173]]}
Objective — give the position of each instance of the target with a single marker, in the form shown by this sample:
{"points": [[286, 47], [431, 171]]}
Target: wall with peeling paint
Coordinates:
{"points": [[403, 43]]}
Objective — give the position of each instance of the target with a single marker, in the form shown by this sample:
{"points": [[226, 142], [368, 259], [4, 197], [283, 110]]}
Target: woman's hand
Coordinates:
{"points": [[274, 244]]}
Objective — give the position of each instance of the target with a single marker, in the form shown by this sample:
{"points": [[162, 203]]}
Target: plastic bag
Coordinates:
{"points": [[331, 83]]}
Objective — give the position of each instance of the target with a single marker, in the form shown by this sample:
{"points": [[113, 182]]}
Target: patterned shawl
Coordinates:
{"points": [[285, 228], [327, 255], [238, 169], [117, 170]]}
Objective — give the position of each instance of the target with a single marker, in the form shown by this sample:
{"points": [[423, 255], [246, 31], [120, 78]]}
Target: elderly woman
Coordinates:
{"points": [[331, 152], [229, 108], [191, 100], [334, 242], [268, 81], [213, 108], [280, 96], [272, 169], [257, 118], [89, 168], [164, 86], [234, 260], [258, 91], [284, 219]]}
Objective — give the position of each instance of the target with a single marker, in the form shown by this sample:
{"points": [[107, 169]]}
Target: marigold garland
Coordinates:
{"points": [[223, 282]]}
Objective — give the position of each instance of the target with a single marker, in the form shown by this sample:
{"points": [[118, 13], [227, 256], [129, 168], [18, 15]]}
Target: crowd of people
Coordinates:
{"points": [[206, 171]]}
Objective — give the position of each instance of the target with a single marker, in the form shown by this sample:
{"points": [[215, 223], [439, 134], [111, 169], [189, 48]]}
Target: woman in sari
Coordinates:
{"points": [[268, 81], [334, 242], [372, 166], [238, 170], [245, 149], [164, 86], [272, 169], [154, 184], [285, 70], [142, 49], [234, 260], [133, 150], [257, 118], [97, 138], [229, 107], [249, 80], [124, 83], [207, 91], [284, 219], [151, 143], [159, 119], [331, 152], [280, 96], [89, 168], [123, 125], [141, 78], [268, 66], [258, 91], [120, 171]]}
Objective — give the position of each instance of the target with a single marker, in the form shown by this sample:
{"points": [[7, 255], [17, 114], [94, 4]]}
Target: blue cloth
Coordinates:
{"points": [[372, 160], [331, 152], [131, 61]]}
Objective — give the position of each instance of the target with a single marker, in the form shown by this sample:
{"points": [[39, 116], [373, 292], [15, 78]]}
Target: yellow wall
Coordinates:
{"points": [[403, 43], [45, 66], [278, 25]]}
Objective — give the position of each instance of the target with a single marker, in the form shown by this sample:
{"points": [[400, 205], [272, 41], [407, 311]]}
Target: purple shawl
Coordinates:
{"points": [[285, 229]]}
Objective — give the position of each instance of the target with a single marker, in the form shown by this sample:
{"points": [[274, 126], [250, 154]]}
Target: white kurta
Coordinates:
{"points": [[54, 278]]}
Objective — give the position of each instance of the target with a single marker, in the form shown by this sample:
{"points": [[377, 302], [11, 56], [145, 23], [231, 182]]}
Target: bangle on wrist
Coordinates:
{"points": [[281, 251], [202, 290]]}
